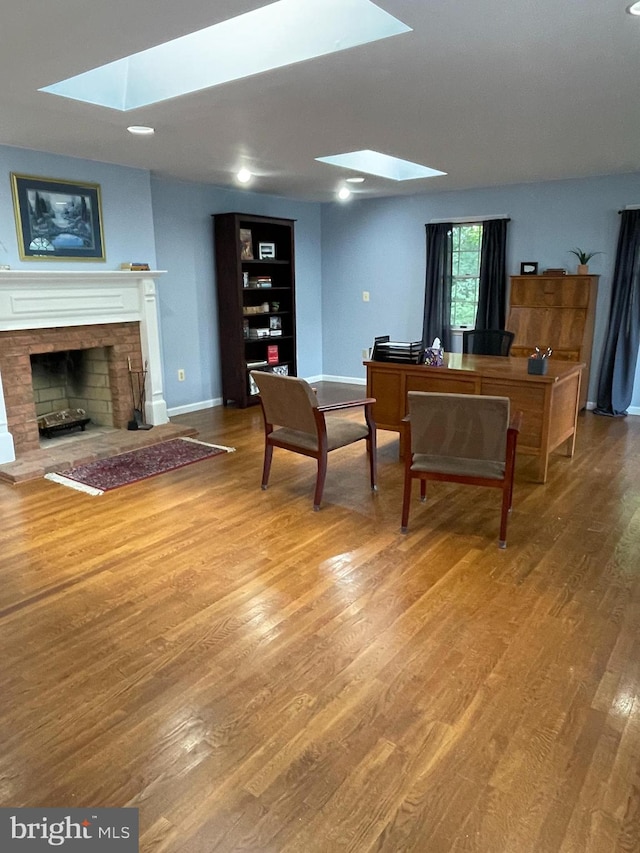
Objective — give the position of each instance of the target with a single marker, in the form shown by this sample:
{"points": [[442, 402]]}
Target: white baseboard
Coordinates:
{"points": [[350, 380], [194, 407]]}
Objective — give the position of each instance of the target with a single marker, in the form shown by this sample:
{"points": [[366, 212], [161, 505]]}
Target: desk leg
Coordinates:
{"points": [[542, 468]]}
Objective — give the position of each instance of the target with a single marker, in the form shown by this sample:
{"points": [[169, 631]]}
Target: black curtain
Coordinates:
{"points": [[437, 291], [620, 355], [492, 289]]}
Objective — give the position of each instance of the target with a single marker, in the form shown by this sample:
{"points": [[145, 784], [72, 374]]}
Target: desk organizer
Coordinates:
{"points": [[537, 366], [410, 353]]}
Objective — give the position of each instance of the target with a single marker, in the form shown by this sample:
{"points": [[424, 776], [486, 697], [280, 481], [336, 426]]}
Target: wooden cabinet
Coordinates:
{"points": [[557, 312], [255, 280]]}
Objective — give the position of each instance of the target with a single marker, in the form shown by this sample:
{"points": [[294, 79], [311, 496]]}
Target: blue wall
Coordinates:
{"points": [[187, 296], [127, 216], [379, 246], [139, 213], [341, 250]]}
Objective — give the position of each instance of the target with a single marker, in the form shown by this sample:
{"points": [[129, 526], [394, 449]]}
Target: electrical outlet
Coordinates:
{"points": [[365, 295], [181, 375]]}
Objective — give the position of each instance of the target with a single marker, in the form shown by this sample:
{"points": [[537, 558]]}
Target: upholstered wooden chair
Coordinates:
{"points": [[487, 341], [460, 438], [294, 421]]}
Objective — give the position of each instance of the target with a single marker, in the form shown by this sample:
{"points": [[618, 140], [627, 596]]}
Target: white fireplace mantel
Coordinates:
{"points": [[42, 299]]}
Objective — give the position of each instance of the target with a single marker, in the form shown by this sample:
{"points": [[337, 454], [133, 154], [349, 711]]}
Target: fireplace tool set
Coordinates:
{"points": [[137, 379]]}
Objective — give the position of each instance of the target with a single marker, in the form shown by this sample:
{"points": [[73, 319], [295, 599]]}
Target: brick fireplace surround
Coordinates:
{"points": [[123, 342], [68, 310]]}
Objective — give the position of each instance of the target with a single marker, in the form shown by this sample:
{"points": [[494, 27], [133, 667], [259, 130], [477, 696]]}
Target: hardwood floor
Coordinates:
{"points": [[255, 676]]}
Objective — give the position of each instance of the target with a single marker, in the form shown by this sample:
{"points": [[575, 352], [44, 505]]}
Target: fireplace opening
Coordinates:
{"points": [[71, 380]]}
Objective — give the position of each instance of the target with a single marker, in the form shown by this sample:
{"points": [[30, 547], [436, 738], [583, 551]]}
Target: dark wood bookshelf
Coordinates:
{"points": [[235, 299]]}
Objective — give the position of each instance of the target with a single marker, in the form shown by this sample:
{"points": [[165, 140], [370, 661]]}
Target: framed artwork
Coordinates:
{"points": [[57, 220], [529, 268], [246, 245], [266, 250]]}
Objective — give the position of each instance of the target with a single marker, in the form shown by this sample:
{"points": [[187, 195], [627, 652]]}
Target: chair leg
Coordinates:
{"points": [[266, 468], [504, 516], [423, 490], [322, 473], [406, 500], [373, 461], [511, 490]]}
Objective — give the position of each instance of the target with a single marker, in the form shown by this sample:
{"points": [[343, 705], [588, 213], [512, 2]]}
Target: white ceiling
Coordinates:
{"points": [[490, 91]]}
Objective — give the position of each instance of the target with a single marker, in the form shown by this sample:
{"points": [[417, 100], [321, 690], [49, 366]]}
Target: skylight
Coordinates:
{"points": [[273, 36], [383, 165]]}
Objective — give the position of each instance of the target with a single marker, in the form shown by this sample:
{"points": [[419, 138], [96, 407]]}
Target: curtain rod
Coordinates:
{"points": [[629, 207], [455, 219]]}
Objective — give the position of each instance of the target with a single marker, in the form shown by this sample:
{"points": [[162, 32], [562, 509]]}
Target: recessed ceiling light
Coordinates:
{"points": [[141, 130], [634, 9], [344, 193], [244, 176], [383, 165], [355, 180], [272, 36]]}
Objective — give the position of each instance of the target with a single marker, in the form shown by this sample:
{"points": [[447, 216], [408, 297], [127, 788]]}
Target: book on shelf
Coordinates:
{"points": [[252, 365], [274, 333], [272, 354], [259, 281], [134, 266]]}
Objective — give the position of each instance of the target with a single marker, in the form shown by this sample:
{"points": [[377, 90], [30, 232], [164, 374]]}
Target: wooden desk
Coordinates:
{"points": [[549, 404]]}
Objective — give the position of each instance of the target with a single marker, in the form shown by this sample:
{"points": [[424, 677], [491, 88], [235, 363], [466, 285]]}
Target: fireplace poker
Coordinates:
{"points": [[138, 404]]}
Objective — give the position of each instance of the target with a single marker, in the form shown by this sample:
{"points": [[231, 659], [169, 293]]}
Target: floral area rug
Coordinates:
{"points": [[101, 476]]}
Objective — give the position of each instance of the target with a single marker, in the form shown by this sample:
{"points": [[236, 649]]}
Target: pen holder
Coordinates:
{"points": [[433, 357], [538, 366]]}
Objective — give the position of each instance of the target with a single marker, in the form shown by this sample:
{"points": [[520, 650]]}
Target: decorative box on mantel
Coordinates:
{"points": [[55, 299]]}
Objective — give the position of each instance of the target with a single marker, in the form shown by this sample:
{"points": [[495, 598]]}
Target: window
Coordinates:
{"points": [[466, 249]]}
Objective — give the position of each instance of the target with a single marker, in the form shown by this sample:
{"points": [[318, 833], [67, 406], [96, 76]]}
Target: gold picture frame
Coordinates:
{"points": [[57, 220]]}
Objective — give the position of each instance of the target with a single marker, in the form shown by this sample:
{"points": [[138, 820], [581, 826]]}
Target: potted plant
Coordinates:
{"points": [[583, 259]]}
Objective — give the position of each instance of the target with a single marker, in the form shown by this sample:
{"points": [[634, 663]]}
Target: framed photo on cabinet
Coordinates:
{"points": [[529, 268], [246, 245], [266, 251]]}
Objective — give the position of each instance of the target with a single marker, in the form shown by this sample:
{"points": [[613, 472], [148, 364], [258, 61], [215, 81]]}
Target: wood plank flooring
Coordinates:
{"points": [[255, 676]]}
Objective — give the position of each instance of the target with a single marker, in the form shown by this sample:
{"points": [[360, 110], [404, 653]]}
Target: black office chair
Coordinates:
{"points": [[487, 341]]}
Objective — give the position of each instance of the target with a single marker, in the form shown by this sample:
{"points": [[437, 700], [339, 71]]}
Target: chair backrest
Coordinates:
{"points": [[463, 426], [487, 341], [287, 401]]}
